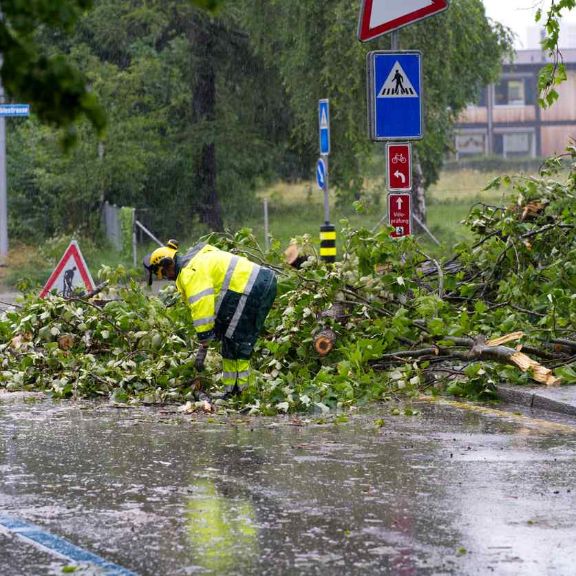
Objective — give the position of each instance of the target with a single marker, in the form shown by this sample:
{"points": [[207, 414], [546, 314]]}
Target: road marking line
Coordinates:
{"points": [[527, 420], [59, 546]]}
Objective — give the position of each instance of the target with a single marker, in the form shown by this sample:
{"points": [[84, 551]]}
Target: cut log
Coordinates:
{"points": [[324, 341]]}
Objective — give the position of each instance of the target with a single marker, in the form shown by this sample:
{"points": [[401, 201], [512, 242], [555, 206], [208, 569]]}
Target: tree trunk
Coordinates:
{"points": [[210, 210], [418, 196], [204, 112]]}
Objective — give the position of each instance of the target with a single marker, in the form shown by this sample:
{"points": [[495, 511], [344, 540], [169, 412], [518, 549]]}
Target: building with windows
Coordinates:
{"points": [[507, 120]]}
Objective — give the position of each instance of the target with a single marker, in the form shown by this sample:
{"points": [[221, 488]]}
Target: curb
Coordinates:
{"points": [[533, 400]]}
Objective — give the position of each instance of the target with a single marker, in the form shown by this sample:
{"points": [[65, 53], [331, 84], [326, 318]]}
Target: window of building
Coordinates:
{"points": [[514, 144], [470, 143], [514, 91]]}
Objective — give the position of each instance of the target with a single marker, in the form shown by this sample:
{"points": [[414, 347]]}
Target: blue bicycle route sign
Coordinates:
{"points": [[395, 95]]}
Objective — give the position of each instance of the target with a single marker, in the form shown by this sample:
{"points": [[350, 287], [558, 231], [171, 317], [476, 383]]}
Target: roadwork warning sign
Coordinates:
{"points": [[70, 274]]}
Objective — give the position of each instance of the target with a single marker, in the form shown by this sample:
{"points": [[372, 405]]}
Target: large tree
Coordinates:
{"points": [[314, 45], [201, 108], [195, 120], [57, 91], [45, 79]]}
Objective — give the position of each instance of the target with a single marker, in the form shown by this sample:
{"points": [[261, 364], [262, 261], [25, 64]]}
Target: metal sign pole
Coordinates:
{"points": [[266, 226], [326, 199], [3, 185], [327, 230]]}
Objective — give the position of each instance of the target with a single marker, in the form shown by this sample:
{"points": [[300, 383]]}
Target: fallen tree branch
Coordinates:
{"points": [[481, 350], [440, 273], [10, 305], [565, 342]]}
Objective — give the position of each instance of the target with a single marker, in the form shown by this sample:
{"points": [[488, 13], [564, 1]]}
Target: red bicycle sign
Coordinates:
{"points": [[399, 167], [399, 157]]}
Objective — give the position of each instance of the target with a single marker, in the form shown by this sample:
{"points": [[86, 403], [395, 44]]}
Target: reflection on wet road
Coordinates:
{"points": [[447, 492]]}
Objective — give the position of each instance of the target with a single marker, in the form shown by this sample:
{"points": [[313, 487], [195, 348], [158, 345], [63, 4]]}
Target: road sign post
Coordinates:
{"points": [[400, 214], [6, 110], [378, 17], [395, 95], [327, 231], [322, 181], [328, 243]]}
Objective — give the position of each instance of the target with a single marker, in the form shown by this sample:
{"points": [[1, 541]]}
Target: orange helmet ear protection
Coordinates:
{"points": [[157, 261]]}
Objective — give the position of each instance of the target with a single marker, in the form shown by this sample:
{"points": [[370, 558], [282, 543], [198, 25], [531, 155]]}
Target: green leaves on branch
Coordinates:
{"points": [[554, 73], [56, 91], [401, 327]]}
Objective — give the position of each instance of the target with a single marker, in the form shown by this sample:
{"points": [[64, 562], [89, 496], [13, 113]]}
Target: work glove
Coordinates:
{"points": [[200, 358]]}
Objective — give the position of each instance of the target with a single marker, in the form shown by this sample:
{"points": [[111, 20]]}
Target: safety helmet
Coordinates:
{"points": [[157, 261]]}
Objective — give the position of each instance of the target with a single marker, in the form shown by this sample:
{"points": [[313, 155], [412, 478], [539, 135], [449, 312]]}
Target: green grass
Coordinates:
{"points": [[297, 209], [294, 210]]}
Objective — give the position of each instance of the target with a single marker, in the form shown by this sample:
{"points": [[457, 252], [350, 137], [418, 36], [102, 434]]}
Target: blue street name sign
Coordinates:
{"points": [[321, 174], [324, 124], [395, 95], [14, 110]]}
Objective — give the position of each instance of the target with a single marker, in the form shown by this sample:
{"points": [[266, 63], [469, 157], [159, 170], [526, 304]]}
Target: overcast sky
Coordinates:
{"points": [[518, 14]]}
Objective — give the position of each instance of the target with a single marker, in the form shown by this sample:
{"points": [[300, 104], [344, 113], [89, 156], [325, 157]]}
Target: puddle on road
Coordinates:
{"points": [[158, 492]]}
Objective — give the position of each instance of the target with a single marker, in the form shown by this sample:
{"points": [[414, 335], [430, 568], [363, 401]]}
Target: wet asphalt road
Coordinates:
{"points": [[446, 492]]}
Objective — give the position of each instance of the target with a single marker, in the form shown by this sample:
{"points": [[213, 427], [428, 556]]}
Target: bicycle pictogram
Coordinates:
{"points": [[399, 157]]}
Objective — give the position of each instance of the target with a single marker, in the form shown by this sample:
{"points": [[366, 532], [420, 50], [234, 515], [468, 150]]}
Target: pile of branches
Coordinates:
{"points": [[388, 319]]}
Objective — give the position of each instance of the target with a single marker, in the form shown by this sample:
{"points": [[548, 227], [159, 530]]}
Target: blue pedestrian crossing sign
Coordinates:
{"points": [[324, 125], [395, 95], [321, 174]]}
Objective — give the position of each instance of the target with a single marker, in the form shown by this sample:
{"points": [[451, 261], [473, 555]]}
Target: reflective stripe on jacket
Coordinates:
{"points": [[204, 280]]}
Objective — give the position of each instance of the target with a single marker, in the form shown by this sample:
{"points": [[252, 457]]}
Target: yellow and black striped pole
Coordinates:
{"points": [[328, 243]]}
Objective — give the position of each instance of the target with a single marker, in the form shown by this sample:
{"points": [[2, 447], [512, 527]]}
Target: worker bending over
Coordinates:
{"points": [[229, 298]]}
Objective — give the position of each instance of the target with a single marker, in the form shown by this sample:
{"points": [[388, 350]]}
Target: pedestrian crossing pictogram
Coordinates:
{"points": [[397, 84]]}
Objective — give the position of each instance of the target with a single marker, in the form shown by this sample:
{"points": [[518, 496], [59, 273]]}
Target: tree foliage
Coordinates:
{"points": [[42, 76], [318, 56], [45, 78], [144, 62], [554, 73], [405, 323], [202, 109]]}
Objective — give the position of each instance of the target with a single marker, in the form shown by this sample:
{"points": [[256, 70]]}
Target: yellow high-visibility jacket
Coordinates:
{"points": [[205, 277]]}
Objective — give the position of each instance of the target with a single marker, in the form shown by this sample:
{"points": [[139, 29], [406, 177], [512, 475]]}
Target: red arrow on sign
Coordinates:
{"points": [[382, 16]]}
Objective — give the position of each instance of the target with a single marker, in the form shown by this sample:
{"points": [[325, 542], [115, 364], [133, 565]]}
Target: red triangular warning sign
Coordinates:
{"points": [[382, 16], [70, 273]]}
